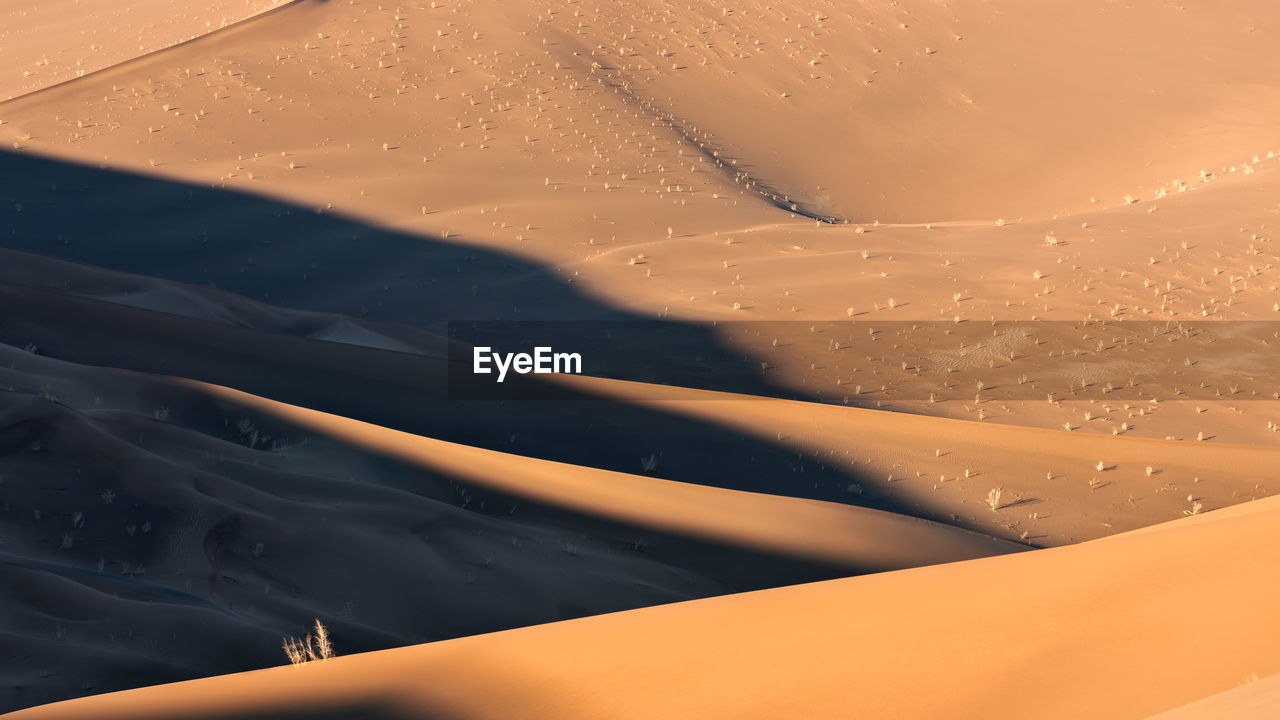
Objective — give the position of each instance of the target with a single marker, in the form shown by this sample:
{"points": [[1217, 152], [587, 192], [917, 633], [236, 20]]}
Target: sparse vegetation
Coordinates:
{"points": [[994, 499], [314, 646]]}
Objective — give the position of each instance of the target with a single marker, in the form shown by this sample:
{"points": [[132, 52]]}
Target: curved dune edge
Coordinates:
{"points": [[861, 538], [1144, 622], [1254, 700], [174, 37], [1049, 467]]}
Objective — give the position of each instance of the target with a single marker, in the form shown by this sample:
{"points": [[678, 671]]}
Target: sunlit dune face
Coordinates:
{"points": [[47, 43]]}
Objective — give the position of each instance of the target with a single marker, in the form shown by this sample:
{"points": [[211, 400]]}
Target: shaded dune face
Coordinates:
{"points": [[311, 262], [159, 534], [186, 534], [956, 319]]}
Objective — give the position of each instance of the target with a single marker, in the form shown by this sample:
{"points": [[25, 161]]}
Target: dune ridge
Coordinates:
{"points": [[1029, 617], [841, 534], [61, 31]]}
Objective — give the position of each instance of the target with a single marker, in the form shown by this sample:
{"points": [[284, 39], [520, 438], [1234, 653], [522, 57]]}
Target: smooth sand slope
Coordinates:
{"points": [[1115, 628], [164, 530], [831, 533], [157, 532], [515, 143], [1254, 698], [914, 283], [1055, 487]]}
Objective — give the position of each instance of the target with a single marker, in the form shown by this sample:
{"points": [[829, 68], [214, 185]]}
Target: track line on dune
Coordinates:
{"points": [[612, 79]]}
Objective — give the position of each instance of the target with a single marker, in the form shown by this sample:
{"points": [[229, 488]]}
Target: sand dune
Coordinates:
{"points": [[1137, 619], [202, 302], [935, 358], [1053, 490], [839, 534], [1057, 487], [47, 43], [160, 530], [1020, 104], [1254, 698]]}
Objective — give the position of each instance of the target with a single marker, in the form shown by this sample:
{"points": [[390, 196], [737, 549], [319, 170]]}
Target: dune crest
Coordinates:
{"points": [[47, 43], [843, 648]]}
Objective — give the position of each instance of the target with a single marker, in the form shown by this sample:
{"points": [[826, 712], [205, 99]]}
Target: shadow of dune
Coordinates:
{"points": [[271, 251], [292, 257], [191, 544], [251, 542]]}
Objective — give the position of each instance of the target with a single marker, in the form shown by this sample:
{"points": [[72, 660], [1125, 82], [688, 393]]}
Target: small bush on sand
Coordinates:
{"points": [[316, 645]]}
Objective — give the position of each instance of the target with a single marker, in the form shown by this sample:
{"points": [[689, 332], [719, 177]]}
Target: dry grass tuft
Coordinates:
{"points": [[315, 645]]}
